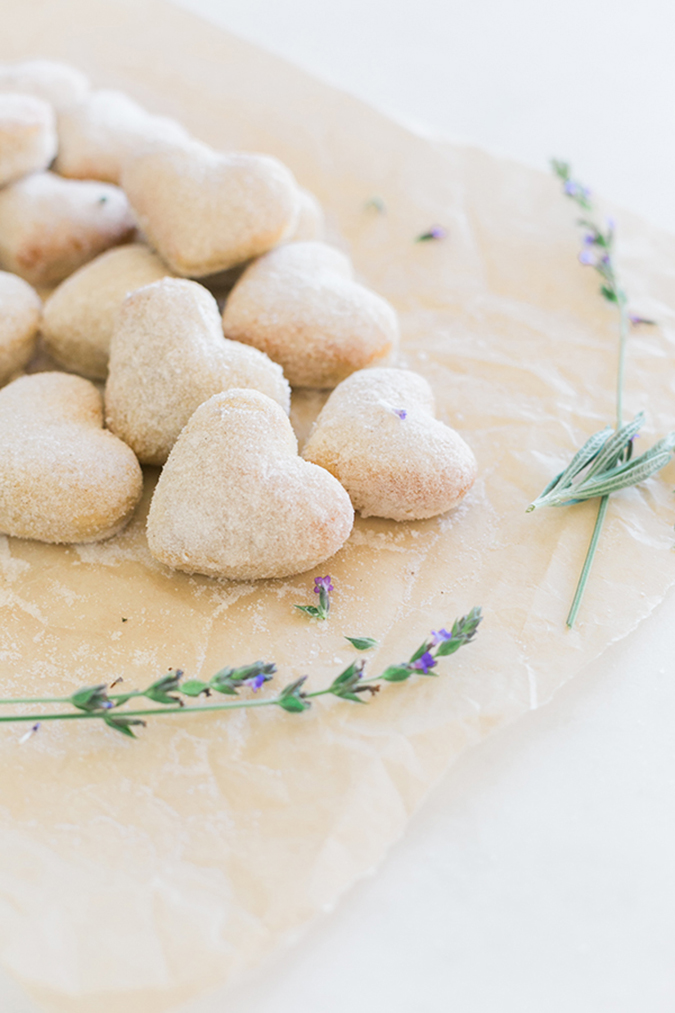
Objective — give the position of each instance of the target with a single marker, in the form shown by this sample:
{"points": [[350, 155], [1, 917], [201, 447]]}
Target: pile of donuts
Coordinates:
{"points": [[125, 226]]}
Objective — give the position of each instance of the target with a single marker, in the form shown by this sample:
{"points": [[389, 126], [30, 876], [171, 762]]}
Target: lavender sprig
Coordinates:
{"points": [[603, 465], [97, 703], [322, 587]]}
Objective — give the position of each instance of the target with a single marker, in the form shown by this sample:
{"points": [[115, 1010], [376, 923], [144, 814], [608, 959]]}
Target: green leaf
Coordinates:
{"points": [[608, 293], [291, 698], [91, 698], [293, 704], [448, 647], [351, 696], [309, 610], [194, 687], [163, 690], [123, 724], [397, 673], [614, 447], [362, 643], [583, 456], [422, 649], [355, 668]]}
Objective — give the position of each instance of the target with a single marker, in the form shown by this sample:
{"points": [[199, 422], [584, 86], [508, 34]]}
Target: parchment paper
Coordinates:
{"points": [[134, 875]]}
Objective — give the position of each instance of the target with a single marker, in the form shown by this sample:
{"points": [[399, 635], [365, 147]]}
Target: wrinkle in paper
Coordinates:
{"points": [[136, 875]]}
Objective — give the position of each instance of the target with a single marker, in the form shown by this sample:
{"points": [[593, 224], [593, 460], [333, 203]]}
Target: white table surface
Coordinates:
{"points": [[539, 878]]}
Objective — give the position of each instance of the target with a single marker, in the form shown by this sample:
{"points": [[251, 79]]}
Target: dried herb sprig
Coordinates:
{"points": [[169, 691], [322, 587], [603, 465]]}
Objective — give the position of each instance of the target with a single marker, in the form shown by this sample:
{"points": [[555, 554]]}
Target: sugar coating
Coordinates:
{"points": [[63, 478], [167, 356], [311, 223], [98, 133], [234, 499], [79, 315], [402, 468], [27, 135], [206, 212], [56, 83], [50, 226], [300, 305], [20, 312]]}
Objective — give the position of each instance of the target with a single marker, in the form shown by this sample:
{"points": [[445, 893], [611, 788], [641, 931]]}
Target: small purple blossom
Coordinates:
{"points": [[424, 663], [435, 232], [256, 682], [635, 320], [588, 258], [590, 239], [573, 189], [29, 734], [322, 583], [400, 412], [438, 636]]}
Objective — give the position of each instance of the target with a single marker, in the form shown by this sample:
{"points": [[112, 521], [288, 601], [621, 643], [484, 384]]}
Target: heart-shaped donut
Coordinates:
{"points": [[56, 83], [20, 312], [377, 434], [50, 226], [97, 135], [63, 478], [234, 499], [27, 136], [206, 212], [79, 315], [300, 305], [167, 356]]}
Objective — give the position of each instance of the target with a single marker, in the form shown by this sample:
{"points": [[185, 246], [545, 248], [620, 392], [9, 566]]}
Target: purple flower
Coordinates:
{"points": [[590, 238], [635, 320], [437, 637], [322, 583], [424, 663], [588, 258], [435, 232], [256, 682], [401, 412], [575, 190], [611, 225]]}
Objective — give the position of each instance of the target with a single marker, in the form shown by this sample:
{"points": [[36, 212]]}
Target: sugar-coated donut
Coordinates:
{"points": [[20, 312], [167, 356], [63, 478], [79, 315], [50, 226], [206, 212], [378, 435], [27, 135], [234, 499], [300, 305]]}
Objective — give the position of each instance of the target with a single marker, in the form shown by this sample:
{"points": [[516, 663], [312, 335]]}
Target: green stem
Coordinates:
{"points": [[588, 562], [624, 324], [63, 699], [602, 509], [149, 712]]}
